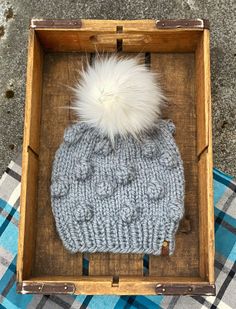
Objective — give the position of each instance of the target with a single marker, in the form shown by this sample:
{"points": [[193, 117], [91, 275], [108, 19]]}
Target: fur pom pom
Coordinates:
{"points": [[118, 96]]}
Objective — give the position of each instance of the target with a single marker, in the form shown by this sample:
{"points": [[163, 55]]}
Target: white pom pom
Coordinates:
{"points": [[118, 96]]}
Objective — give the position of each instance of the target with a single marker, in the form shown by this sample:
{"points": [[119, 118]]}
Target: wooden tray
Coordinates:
{"points": [[179, 51]]}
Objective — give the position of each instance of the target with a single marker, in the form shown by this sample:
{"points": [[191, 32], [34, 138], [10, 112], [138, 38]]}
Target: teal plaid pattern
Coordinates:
{"points": [[225, 262]]}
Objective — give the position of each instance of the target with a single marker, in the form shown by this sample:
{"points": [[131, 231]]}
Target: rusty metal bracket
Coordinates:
{"points": [[183, 289], [45, 288], [182, 23], [56, 23], [160, 24]]}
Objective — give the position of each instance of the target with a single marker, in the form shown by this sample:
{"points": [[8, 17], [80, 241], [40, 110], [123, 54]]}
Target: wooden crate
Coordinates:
{"points": [[179, 51]]}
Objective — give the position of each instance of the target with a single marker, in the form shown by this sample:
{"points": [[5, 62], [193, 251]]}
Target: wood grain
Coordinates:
{"points": [[99, 285], [202, 93], [177, 73], [115, 264], [205, 166], [138, 36], [28, 199], [60, 71], [181, 56]]}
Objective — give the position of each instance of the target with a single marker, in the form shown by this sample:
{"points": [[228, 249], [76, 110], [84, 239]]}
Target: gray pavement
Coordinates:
{"points": [[14, 21]]}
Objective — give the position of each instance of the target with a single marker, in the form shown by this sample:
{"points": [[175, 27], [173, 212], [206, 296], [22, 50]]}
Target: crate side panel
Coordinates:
{"points": [[203, 97], [34, 92], [129, 285], [79, 40], [27, 244], [92, 39], [173, 41], [59, 72], [206, 221], [30, 150], [177, 76], [204, 140]]}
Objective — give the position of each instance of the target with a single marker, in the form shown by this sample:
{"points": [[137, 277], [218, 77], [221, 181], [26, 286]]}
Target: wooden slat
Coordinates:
{"points": [[28, 201], [127, 285], [177, 72], [206, 223], [203, 90], [60, 72], [136, 41], [26, 246], [137, 36], [117, 264], [141, 24], [204, 139], [83, 39], [123, 278], [173, 41], [33, 92]]}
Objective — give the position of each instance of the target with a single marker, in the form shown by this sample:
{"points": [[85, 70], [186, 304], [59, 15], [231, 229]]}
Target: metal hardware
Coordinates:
{"points": [[160, 24], [182, 23], [165, 243], [56, 23], [165, 248], [183, 289], [45, 288]]}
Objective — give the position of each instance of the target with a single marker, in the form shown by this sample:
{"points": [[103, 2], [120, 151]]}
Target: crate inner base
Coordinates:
{"points": [[177, 76]]}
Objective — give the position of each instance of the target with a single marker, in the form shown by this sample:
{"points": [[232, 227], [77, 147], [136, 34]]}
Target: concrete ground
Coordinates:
{"points": [[15, 16]]}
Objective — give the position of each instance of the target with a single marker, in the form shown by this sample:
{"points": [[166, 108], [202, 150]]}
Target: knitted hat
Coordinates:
{"points": [[117, 189]]}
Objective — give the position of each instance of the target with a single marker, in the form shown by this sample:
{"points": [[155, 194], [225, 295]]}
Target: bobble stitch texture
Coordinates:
{"points": [[128, 213], [123, 188], [125, 174], [59, 187], [82, 170], [103, 147], [168, 160], [71, 135], [155, 190], [105, 187], [84, 213], [176, 211], [149, 150]]}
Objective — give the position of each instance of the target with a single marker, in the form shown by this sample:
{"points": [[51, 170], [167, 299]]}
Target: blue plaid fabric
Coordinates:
{"points": [[225, 266]]}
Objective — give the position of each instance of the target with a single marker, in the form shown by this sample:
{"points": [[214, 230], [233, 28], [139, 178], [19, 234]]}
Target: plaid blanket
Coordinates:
{"points": [[225, 266]]}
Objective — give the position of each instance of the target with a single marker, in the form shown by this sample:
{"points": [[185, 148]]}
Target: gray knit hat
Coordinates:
{"points": [[121, 196]]}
